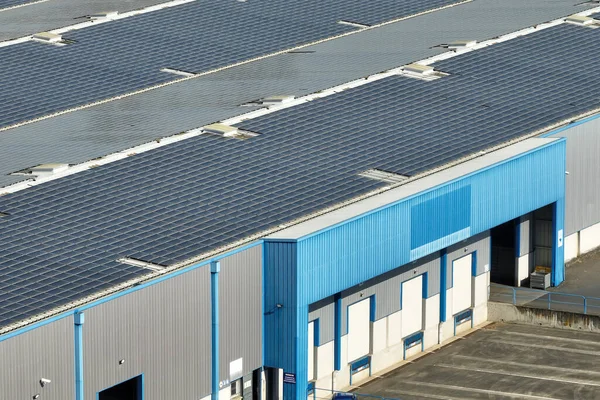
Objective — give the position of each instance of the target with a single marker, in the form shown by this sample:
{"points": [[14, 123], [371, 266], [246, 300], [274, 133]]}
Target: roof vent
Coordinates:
{"points": [[354, 24], [272, 100], [383, 176], [47, 37], [141, 264], [48, 169], [423, 72], [419, 69], [580, 20], [103, 15], [220, 129], [462, 44]]}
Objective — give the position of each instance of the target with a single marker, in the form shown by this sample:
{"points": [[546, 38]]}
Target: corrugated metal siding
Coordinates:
{"points": [[163, 331], [525, 236], [324, 311], [240, 311], [359, 250], [44, 352], [479, 243], [583, 182], [543, 237], [386, 287]]}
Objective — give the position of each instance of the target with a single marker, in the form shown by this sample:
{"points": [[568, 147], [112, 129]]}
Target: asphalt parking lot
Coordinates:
{"points": [[582, 275], [500, 361]]}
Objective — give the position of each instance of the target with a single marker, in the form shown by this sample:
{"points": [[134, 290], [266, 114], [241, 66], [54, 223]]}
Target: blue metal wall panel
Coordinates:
{"points": [[351, 253], [335, 259]]}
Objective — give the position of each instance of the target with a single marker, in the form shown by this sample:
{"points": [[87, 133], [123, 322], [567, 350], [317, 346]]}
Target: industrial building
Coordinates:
{"points": [[192, 210]]}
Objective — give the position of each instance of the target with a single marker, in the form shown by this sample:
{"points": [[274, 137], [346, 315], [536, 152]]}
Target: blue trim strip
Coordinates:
{"points": [[373, 308], [474, 263], [569, 126], [215, 267], [337, 332], [443, 290], [123, 293], [79, 320], [448, 183]]}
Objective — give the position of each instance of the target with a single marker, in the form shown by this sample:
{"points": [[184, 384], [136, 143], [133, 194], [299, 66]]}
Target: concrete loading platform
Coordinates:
{"points": [[501, 361]]}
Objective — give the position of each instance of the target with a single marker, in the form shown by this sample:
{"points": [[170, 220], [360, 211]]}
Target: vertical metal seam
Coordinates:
{"points": [[443, 289], [214, 291], [337, 328], [79, 320]]}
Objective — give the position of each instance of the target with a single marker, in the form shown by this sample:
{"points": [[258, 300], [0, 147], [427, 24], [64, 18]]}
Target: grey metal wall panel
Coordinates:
{"points": [[44, 352], [479, 243], [324, 311], [162, 331], [386, 287], [240, 311], [525, 236], [582, 203]]}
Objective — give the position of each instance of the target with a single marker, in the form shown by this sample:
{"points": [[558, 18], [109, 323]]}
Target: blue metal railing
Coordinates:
{"points": [[556, 301]]}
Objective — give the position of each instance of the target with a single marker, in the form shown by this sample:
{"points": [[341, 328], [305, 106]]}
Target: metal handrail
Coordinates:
{"points": [[584, 299]]}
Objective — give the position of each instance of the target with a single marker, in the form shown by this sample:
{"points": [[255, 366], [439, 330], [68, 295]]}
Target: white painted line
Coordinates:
{"points": [[474, 390], [520, 375], [528, 366], [22, 5], [545, 337], [541, 346], [421, 395]]}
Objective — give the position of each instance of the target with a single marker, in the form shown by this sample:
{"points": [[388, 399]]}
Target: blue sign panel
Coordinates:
{"points": [[288, 377]]}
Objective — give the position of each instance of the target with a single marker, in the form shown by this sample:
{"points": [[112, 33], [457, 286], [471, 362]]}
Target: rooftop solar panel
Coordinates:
{"points": [[12, 3], [122, 56], [176, 202]]}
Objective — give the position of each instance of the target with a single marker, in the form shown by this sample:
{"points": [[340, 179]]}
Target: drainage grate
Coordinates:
{"points": [[383, 176]]}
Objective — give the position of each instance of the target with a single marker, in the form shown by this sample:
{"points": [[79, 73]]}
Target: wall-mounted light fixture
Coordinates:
{"points": [[121, 362]]}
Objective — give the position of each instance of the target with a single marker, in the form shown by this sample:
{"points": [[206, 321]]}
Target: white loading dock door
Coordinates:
{"points": [[461, 284], [311, 350], [412, 306], [359, 329]]}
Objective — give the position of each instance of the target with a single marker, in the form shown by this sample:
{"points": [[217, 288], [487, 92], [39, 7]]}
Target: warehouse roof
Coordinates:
{"points": [[87, 134], [61, 240], [114, 58], [20, 18]]}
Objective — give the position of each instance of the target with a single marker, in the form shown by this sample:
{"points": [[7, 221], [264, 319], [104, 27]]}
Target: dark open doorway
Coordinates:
{"points": [[503, 268], [129, 390]]}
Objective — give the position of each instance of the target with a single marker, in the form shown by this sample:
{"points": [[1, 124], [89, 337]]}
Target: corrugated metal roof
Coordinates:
{"points": [[61, 240], [87, 134]]}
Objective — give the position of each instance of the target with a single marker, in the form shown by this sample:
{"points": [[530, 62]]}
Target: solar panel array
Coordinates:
{"points": [[122, 56], [12, 3], [176, 202]]}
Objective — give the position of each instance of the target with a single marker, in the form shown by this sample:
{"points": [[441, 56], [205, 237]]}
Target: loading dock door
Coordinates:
{"points": [[412, 306], [311, 350], [461, 284], [359, 329]]}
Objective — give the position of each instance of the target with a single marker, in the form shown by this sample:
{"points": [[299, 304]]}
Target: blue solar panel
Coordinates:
{"points": [[164, 206], [12, 3], [122, 56]]}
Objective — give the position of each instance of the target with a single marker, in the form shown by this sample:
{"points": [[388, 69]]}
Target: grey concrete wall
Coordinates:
{"points": [[44, 352], [583, 182], [324, 311], [240, 311], [479, 243], [162, 331], [386, 287], [501, 312]]}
